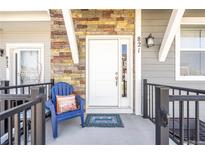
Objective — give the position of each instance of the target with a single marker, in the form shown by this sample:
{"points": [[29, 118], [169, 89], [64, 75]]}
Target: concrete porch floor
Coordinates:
{"points": [[136, 131]]}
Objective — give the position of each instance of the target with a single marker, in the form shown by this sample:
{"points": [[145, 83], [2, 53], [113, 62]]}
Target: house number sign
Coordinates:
{"points": [[138, 44]]}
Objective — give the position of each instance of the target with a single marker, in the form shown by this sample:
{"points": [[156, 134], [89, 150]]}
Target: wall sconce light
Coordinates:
{"points": [[1, 52], [149, 40]]}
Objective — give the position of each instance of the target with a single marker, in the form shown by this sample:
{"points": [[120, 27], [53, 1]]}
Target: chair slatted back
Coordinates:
{"points": [[62, 89]]}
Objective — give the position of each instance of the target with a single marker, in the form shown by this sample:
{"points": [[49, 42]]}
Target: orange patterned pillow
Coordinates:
{"points": [[65, 103]]}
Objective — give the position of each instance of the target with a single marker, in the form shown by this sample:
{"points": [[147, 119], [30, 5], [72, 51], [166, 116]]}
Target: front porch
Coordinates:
{"points": [[107, 71], [136, 131]]}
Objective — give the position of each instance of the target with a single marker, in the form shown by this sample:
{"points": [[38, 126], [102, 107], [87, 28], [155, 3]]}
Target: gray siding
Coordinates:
{"points": [[26, 32], [2, 60], [155, 22]]}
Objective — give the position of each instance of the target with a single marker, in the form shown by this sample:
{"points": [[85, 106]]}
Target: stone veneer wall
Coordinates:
{"points": [[86, 22]]}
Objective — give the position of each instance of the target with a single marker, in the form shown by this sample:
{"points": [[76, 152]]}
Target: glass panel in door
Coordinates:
{"points": [[124, 70], [29, 66]]}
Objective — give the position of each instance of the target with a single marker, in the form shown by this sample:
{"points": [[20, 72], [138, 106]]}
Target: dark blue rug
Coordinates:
{"points": [[103, 120]]}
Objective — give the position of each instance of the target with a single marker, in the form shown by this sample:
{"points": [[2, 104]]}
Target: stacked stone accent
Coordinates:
{"points": [[86, 22]]}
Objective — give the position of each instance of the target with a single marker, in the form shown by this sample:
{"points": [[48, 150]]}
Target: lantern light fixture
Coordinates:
{"points": [[1, 52], [149, 41]]}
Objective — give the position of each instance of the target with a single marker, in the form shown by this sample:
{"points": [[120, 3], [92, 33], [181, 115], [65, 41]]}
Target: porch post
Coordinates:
{"points": [[40, 121], [38, 118], [161, 115], [138, 65], [145, 115], [52, 82]]}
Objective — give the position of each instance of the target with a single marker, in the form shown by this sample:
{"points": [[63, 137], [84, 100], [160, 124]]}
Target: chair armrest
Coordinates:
{"points": [[80, 101], [49, 105]]}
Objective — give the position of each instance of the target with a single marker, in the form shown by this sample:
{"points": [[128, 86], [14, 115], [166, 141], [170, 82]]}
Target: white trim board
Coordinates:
{"points": [[138, 65], [171, 30], [67, 16]]}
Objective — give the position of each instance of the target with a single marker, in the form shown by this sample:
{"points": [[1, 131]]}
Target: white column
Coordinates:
{"points": [[138, 78]]}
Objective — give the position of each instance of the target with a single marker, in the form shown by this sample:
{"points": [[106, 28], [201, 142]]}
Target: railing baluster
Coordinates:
{"points": [[25, 126], [10, 125], [188, 131], [173, 116], [17, 139], [29, 90], [197, 138], [149, 102], [181, 122], [152, 103], [23, 90], [145, 98], [10, 130]]}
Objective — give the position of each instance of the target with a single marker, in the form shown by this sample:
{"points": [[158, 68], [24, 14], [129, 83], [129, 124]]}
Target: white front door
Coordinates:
{"points": [[109, 74], [103, 69]]}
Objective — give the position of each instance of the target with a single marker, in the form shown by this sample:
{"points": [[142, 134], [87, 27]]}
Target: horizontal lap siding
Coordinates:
{"points": [[155, 22], [2, 60]]}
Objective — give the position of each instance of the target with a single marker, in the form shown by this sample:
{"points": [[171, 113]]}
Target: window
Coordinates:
{"points": [[190, 53]]}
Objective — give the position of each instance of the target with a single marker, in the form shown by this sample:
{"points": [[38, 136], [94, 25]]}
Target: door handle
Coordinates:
{"points": [[116, 78]]}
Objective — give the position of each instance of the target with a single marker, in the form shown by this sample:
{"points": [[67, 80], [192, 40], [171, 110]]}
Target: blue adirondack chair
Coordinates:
{"points": [[63, 89]]}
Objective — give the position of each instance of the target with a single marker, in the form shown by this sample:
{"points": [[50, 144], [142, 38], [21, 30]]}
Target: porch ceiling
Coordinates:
{"points": [[41, 15]]}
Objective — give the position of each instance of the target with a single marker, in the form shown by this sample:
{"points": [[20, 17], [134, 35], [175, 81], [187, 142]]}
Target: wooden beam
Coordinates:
{"points": [[173, 25], [71, 35], [24, 16]]}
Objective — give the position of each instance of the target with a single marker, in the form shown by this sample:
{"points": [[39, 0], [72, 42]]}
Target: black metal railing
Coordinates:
{"points": [[26, 121], [13, 96], [22, 89], [17, 91], [185, 125]]}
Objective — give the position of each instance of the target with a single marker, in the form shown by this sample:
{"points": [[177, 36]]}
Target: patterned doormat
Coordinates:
{"points": [[103, 120]]}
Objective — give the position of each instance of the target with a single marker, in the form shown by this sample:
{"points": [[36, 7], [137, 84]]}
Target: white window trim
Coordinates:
{"points": [[177, 54]]}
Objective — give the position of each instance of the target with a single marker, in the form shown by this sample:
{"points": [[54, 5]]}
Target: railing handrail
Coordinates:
{"points": [[7, 113], [15, 97], [179, 88], [186, 98], [25, 85]]}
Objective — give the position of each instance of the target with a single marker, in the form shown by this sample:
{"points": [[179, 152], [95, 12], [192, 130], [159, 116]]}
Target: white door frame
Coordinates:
{"points": [[16, 46], [110, 109], [138, 64]]}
